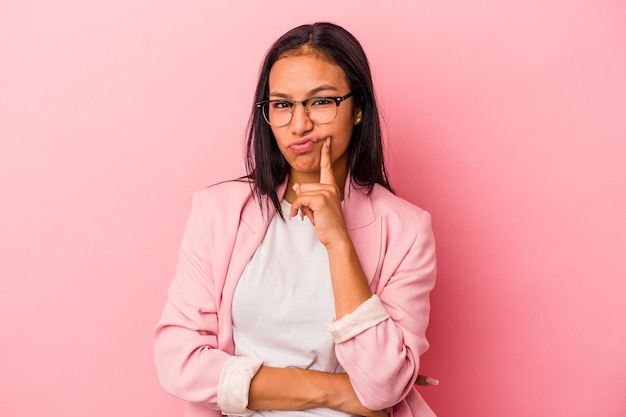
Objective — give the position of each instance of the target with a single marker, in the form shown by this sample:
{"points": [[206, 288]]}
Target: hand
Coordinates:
{"points": [[426, 381], [321, 202]]}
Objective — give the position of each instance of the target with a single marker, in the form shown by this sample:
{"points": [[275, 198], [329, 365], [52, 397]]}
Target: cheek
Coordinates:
{"points": [[346, 121], [345, 128]]}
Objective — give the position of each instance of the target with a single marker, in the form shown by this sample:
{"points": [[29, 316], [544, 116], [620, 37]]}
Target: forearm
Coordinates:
{"points": [[294, 389], [350, 287], [299, 389]]}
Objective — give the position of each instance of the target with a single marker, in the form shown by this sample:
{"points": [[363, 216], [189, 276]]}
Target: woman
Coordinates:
{"points": [[303, 288]]}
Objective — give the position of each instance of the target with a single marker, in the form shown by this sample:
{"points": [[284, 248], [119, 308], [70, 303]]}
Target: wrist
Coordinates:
{"points": [[326, 390], [340, 246], [319, 389]]}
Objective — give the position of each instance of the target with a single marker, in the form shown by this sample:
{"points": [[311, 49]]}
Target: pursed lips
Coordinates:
{"points": [[303, 145]]}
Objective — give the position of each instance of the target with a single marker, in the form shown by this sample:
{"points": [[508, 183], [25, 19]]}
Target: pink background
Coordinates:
{"points": [[506, 120]]}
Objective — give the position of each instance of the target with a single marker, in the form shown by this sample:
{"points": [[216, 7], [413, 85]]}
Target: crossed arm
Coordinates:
{"points": [[310, 389]]}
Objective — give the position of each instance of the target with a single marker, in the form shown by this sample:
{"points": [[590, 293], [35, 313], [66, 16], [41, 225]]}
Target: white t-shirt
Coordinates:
{"points": [[284, 300]]}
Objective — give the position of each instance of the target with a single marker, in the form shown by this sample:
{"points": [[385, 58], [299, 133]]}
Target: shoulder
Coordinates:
{"points": [[403, 221], [389, 205]]}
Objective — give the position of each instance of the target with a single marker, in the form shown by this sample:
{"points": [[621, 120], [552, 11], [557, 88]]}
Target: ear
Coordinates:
{"points": [[358, 115]]}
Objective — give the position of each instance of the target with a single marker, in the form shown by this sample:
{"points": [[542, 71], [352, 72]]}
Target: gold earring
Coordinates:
{"points": [[358, 120]]}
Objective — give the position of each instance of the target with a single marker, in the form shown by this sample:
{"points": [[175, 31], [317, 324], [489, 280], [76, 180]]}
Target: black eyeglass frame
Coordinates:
{"points": [[337, 99]]}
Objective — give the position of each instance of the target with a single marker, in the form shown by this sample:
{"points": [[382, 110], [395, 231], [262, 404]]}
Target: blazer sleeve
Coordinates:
{"points": [[383, 360], [187, 357]]}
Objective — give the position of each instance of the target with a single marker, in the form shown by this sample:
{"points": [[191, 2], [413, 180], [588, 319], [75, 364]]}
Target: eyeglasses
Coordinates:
{"points": [[320, 110]]}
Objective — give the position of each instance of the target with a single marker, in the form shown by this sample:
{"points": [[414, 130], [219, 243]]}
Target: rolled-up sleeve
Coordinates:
{"points": [[368, 314], [234, 385]]}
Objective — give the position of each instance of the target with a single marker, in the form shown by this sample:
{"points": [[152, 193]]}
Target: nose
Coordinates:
{"points": [[300, 122]]}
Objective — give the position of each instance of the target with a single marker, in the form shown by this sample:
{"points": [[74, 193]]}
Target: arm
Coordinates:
{"points": [[187, 357], [299, 389], [407, 276], [321, 202]]}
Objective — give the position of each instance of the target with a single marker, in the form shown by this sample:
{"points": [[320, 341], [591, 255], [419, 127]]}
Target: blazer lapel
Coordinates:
{"points": [[252, 226]]}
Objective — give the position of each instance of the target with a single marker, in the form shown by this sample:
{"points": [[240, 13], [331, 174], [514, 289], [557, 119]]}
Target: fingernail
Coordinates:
{"points": [[432, 381], [328, 140], [295, 186]]}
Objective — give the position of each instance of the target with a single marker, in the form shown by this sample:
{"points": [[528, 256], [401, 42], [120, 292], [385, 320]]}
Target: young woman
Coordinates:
{"points": [[303, 288]]}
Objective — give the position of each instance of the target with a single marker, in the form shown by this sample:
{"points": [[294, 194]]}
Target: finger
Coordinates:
{"points": [[326, 169], [432, 381], [305, 211], [426, 381], [294, 208]]}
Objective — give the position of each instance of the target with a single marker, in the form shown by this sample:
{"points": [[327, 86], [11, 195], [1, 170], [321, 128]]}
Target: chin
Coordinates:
{"points": [[306, 170]]}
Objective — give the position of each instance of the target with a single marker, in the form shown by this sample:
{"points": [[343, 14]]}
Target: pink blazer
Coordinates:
{"points": [[395, 244]]}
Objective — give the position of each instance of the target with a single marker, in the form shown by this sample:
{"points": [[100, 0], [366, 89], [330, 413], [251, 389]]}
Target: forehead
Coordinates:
{"points": [[300, 74]]}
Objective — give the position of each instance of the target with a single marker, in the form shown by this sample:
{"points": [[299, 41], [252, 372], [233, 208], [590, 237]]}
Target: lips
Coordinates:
{"points": [[303, 145]]}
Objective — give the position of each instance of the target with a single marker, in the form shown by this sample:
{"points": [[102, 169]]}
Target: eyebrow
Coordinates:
{"points": [[325, 87]]}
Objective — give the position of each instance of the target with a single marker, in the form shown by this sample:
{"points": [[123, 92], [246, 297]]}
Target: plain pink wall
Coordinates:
{"points": [[506, 120]]}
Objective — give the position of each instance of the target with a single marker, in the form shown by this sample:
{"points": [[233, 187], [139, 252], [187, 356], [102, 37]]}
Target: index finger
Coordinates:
{"points": [[326, 168]]}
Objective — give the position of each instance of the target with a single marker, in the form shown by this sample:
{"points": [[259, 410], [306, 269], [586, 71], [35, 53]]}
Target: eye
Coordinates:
{"points": [[321, 101], [281, 105]]}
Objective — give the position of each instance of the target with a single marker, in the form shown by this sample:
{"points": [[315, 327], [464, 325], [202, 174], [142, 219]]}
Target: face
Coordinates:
{"points": [[300, 141]]}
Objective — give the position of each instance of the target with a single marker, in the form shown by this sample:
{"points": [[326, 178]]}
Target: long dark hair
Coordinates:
{"points": [[266, 166]]}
